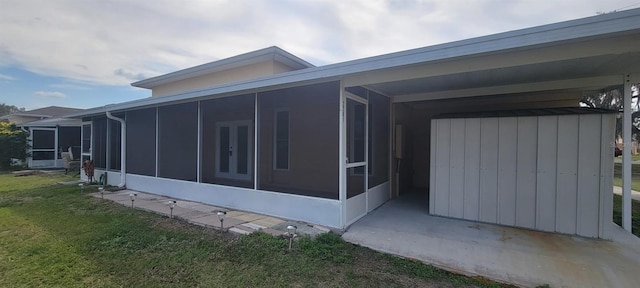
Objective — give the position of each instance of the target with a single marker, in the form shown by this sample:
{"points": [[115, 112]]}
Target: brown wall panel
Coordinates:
{"points": [[313, 166]]}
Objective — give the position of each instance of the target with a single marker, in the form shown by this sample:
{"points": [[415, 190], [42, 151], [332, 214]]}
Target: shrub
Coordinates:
{"points": [[13, 144]]}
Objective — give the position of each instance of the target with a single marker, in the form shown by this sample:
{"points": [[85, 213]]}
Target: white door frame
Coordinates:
{"points": [[356, 201], [82, 153], [233, 140]]}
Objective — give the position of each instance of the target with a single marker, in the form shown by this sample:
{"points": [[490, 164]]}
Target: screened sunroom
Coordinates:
{"points": [[275, 152]]}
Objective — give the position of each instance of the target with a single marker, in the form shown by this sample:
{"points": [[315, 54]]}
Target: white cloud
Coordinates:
{"points": [[118, 42], [50, 94], [70, 86], [7, 77]]}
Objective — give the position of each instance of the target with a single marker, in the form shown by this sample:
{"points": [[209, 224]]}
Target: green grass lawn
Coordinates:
{"points": [[635, 176], [635, 214], [54, 235]]}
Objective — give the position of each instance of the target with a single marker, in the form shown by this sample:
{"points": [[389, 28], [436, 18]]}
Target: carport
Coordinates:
{"points": [[523, 257], [544, 67]]}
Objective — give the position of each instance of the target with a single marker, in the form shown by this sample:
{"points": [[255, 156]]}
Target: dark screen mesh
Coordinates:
{"points": [[178, 141], [43, 139], [378, 139], [313, 140], [141, 142], [69, 137], [227, 124], [100, 142], [115, 135]]}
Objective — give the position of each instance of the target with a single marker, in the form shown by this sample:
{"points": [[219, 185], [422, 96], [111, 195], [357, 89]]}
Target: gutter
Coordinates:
{"points": [[123, 148]]}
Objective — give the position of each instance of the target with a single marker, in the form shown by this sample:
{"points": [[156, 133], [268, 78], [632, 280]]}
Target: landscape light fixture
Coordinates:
{"points": [[81, 185], [172, 204], [221, 215], [101, 189], [291, 232], [133, 198]]}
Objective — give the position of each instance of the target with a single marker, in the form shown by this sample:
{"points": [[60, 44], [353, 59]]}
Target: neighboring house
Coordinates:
{"points": [[268, 132], [38, 114], [49, 134]]}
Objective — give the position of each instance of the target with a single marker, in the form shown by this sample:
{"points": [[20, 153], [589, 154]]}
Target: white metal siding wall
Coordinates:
{"points": [[549, 173]]}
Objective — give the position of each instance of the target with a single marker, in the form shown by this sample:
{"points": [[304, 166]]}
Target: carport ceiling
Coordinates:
{"points": [[603, 65]]}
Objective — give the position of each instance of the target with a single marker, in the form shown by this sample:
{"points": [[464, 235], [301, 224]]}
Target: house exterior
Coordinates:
{"points": [[50, 133], [38, 114], [270, 133]]}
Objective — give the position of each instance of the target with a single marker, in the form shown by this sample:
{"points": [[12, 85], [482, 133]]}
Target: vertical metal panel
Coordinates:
{"points": [[588, 175], [567, 174], [443, 143], [488, 169], [526, 172], [546, 173], [606, 176], [508, 141], [456, 168], [471, 169]]}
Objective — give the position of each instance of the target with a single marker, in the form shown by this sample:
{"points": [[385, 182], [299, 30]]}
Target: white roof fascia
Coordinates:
{"points": [[29, 115], [596, 26], [269, 53], [51, 122]]}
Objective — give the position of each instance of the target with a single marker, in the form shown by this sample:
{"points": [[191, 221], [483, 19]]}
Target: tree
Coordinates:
{"points": [[608, 99], [13, 144], [9, 109]]}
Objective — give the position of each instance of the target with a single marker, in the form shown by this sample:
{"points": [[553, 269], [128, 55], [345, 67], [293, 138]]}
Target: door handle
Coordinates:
{"points": [[230, 151]]}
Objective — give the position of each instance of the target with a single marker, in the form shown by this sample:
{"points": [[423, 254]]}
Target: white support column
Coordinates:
{"points": [[157, 138], [342, 156], [626, 155], [366, 154], [199, 145], [255, 141], [56, 146]]}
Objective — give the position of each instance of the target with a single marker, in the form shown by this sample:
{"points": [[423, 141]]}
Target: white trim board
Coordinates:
{"points": [[314, 210]]}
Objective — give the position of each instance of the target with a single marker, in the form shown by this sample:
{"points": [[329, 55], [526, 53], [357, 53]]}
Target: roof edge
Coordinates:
{"points": [[273, 52], [584, 28]]}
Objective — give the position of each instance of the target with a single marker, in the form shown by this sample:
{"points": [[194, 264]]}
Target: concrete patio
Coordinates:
{"points": [[518, 256]]}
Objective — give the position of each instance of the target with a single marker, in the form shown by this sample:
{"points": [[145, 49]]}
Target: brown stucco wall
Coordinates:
{"points": [[313, 119]]}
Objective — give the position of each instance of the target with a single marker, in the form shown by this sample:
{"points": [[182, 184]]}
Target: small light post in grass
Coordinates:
{"points": [[133, 198], [101, 189], [291, 233], [221, 215], [172, 204], [81, 185]]}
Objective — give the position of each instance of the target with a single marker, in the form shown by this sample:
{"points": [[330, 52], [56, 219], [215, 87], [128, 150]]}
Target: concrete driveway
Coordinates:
{"points": [[518, 256]]}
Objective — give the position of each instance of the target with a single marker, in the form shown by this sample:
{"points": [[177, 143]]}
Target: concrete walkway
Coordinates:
{"points": [[206, 215], [635, 195], [522, 257]]}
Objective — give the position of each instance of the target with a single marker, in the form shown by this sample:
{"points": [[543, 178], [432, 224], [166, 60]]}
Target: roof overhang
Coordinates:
{"points": [[53, 122], [591, 52], [262, 55]]}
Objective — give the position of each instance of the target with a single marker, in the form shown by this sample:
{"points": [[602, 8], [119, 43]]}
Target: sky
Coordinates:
{"points": [[85, 53]]}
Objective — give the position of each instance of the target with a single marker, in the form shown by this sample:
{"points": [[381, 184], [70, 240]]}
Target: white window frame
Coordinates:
{"points": [[275, 139]]}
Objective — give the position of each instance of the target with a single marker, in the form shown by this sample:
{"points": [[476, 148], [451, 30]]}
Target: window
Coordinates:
{"points": [[281, 145], [43, 144]]}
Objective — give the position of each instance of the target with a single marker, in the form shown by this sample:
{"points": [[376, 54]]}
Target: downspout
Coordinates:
{"points": [[123, 148]]}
